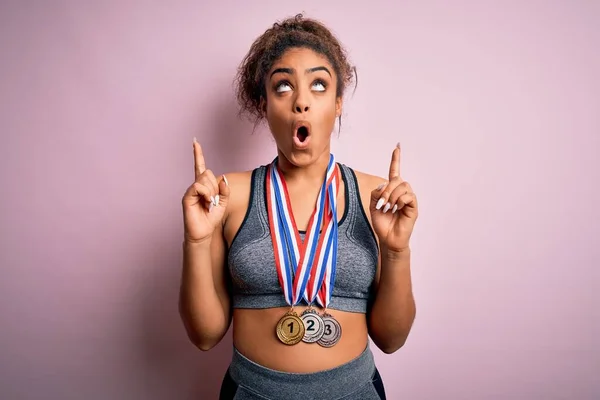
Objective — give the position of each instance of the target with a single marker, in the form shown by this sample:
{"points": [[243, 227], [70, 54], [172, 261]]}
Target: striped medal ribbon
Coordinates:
{"points": [[302, 265], [332, 330]]}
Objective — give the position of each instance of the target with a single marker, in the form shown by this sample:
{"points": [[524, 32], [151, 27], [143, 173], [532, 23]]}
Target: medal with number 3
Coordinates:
{"points": [[303, 268]]}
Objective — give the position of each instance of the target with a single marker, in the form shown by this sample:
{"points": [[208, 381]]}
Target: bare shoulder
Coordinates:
{"points": [[239, 178], [366, 184], [239, 186]]}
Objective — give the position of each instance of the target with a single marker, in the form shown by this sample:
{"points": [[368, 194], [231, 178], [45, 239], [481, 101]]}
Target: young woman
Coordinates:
{"points": [[307, 256]]}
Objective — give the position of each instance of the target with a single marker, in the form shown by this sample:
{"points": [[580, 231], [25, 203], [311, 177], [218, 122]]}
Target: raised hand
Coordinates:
{"points": [[394, 209], [204, 202]]}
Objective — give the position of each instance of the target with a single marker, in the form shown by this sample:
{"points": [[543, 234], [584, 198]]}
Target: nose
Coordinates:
{"points": [[301, 105], [301, 108]]}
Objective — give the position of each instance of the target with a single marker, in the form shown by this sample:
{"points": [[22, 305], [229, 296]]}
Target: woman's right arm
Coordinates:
{"points": [[204, 303]]}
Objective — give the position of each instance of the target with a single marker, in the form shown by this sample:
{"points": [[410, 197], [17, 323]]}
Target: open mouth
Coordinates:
{"points": [[302, 133]]}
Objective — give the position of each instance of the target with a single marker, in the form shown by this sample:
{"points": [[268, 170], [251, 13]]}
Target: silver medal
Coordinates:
{"points": [[314, 327], [332, 332]]}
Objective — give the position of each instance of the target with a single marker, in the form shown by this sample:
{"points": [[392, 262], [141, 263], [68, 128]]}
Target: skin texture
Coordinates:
{"points": [[297, 93], [297, 88]]}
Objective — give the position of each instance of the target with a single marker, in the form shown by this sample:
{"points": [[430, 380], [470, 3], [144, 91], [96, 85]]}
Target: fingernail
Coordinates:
{"points": [[398, 145], [210, 207], [395, 208], [381, 186], [216, 200], [379, 204], [212, 200], [225, 179], [387, 208]]}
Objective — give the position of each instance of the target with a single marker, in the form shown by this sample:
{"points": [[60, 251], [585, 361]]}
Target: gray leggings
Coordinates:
{"points": [[357, 379]]}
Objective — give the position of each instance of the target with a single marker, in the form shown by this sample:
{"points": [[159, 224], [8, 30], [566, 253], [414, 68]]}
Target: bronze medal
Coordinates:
{"points": [[332, 332], [290, 328], [314, 327], [296, 259]]}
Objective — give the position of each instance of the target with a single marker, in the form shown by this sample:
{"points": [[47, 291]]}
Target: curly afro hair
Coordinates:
{"points": [[293, 32]]}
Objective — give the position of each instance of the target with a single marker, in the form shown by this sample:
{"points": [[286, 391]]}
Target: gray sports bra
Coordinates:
{"points": [[251, 259]]}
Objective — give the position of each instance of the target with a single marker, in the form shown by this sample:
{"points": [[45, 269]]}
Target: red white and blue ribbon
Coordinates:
{"points": [[306, 269], [326, 289]]}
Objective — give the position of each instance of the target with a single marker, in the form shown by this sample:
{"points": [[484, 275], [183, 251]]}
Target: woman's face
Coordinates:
{"points": [[301, 105]]}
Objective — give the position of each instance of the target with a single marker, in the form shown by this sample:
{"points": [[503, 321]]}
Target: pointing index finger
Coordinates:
{"points": [[395, 164], [199, 165]]}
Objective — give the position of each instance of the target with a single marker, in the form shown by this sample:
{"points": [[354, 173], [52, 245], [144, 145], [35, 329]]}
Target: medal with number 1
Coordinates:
{"points": [[301, 265]]}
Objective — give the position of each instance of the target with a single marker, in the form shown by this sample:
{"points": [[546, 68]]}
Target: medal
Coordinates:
{"points": [[302, 265], [314, 327], [290, 329], [332, 332]]}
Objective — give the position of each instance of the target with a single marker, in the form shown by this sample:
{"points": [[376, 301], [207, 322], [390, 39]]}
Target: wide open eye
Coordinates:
{"points": [[319, 86], [282, 87]]}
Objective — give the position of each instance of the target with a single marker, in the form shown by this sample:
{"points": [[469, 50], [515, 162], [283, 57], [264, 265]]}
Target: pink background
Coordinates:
{"points": [[497, 107]]}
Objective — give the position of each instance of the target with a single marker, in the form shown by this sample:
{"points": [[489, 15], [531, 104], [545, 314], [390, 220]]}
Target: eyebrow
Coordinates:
{"points": [[308, 71]]}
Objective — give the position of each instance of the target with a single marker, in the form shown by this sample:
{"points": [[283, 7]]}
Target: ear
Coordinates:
{"points": [[339, 102]]}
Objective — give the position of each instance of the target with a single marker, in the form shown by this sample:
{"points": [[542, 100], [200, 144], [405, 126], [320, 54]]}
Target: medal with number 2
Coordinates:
{"points": [[305, 269]]}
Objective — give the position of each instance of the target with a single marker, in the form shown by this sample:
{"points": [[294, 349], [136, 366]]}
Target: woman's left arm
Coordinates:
{"points": [[394, 211], [393, 311]]}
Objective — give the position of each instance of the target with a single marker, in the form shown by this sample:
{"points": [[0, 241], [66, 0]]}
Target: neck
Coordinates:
{"points": [[314, 172]]}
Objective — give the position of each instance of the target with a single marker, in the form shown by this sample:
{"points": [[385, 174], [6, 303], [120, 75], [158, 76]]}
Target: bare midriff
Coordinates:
{"points": [[255, 337], [254, 330]]}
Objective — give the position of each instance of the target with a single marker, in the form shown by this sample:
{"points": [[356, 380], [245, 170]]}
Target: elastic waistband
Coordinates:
{"points": [[332, 383]]}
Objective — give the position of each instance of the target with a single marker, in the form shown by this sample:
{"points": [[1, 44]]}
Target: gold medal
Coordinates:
{"points": [[290, 328], [297, 260]]}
